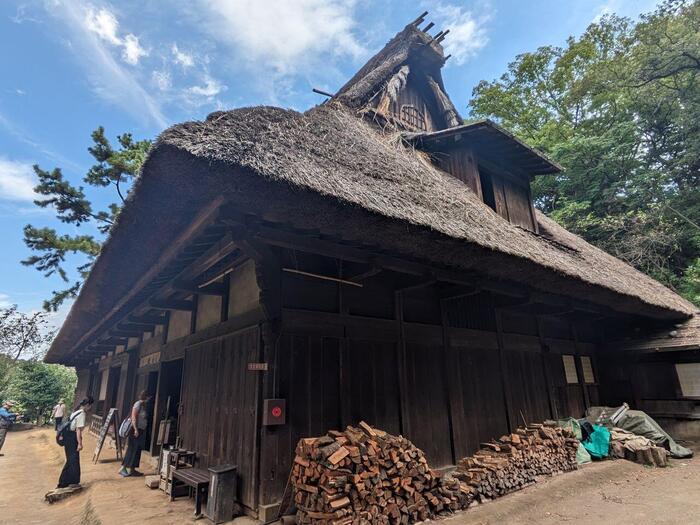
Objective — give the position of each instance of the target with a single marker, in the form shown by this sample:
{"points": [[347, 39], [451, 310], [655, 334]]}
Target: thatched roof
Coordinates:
{"points": [[667, 338], [330, 170], [409, 46], [334, 154]]}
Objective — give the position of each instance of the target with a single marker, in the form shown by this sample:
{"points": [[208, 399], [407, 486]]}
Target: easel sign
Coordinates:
{"points": [[111, 419]]}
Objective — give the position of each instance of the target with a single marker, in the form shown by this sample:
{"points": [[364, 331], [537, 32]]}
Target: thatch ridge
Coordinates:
{"points": [[332, 152]]}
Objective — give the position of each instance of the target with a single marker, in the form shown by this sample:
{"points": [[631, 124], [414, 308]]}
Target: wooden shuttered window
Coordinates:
{"points": [[689, 378], [570, 369], [587, 369], [510, 199]]}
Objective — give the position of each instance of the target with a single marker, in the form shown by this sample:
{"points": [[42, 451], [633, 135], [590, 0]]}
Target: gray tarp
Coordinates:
{"points": [[640, 423]]}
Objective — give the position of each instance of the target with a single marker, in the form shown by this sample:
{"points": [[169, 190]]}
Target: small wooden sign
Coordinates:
{"points": [[257, 367], [111, 419]]}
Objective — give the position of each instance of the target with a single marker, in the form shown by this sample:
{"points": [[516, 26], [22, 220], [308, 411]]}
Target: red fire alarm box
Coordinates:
{"points": [[274, 412]]}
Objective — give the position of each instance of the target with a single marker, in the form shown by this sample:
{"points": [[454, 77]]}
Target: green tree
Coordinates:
{"points": [[22, 336], [37, 386], [619, 108], [115, 168]]}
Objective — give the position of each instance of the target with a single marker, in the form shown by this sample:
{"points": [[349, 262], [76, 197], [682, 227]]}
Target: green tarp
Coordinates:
{"points": [[582, 455], [640, 423], [598, 443]]}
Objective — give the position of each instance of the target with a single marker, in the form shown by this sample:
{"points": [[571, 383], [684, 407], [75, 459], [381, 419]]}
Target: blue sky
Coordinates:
{"points": [[68, 66]]}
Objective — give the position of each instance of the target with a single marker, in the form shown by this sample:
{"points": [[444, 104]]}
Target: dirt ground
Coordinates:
{"points": [[617, 492]]}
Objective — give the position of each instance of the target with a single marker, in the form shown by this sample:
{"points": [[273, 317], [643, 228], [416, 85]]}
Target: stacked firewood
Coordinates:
{"points": [[515, 460], [364, 475]]}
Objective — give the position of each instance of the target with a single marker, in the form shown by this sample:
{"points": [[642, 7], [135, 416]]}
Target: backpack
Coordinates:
{"points": [[65, 426], [125, 428]]}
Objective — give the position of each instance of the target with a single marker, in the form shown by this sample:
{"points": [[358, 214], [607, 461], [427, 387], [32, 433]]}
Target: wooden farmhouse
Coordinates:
{"points": [[276, 274]]}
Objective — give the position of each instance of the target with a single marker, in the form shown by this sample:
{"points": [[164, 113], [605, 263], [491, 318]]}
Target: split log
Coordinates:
{"points": [[366, 476]]}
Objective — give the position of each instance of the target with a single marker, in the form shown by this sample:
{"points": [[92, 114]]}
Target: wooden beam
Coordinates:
{"points": [[140, 327], [191, 287], [198, 225], [172, 304], [125, 333], [365, 275], [148, 319], [116, 341]]}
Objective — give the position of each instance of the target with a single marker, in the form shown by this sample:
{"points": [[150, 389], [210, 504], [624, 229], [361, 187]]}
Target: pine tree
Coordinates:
{"points": [[114, 168]]}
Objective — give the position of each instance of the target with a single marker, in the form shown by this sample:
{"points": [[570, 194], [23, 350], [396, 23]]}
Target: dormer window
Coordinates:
{"points": [[494, 164]]}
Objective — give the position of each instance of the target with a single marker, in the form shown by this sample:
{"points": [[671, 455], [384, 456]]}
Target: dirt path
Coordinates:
{"points": [[31, 466], [617, 492]]}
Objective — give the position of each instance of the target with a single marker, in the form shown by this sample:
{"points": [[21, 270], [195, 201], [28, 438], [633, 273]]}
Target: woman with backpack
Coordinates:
{"points": [[72, 439], [136, 441]]}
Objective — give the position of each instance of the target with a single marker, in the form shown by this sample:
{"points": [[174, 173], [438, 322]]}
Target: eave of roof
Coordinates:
{"points": [[492, 140], [330, 171]]}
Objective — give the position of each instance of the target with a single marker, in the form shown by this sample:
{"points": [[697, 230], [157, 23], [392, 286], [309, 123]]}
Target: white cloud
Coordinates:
{"points": [[17, 180], [132, 51], [91, 39], [105, 25], [5, 301], [182, 58], [284, 34], [162, 80], [211, 88], [204, 93], [20, 92], [467, 29]]}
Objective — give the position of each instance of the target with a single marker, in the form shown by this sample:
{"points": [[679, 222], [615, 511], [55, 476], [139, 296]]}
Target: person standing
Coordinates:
{"points": [[73, 443], [7, 418], [136, 441], [58, 413]]}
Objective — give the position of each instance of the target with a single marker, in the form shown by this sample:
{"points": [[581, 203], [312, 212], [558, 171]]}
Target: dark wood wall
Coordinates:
{"points": [[220, 406], [438, 371]]}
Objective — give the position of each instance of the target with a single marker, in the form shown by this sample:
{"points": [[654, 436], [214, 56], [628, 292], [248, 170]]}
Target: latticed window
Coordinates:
{"points": [[413, 117]]}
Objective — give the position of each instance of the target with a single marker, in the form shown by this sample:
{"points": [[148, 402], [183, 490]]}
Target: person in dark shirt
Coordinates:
{"points": [[136, 441]]}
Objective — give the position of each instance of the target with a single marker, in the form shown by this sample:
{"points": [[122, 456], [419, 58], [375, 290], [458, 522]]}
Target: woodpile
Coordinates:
{"points": [[366, 476], [626, 445], [515, 460]]}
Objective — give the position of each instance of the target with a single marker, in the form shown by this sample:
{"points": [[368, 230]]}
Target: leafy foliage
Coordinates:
{"points": [[116, 168], [36, 387], [22, 336], [619, 108]]}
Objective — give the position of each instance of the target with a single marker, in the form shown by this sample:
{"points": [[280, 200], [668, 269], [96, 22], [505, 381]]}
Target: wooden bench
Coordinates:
{"points": [[198, 480]]}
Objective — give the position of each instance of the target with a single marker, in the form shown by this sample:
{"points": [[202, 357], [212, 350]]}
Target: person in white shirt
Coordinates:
{"points": [[73, 439], [58, 412]]}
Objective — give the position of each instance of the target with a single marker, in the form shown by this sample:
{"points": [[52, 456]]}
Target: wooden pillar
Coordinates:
{"points": [[544, 352], [404, 423], [502, 364], [455, 400], [579, 368]]}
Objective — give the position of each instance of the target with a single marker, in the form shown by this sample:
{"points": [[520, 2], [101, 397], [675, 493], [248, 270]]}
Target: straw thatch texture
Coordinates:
{"points": [[329, 170], [330, 151]]}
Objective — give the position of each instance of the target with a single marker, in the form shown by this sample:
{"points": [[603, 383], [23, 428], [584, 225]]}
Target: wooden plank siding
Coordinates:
{"points": [[445, 392], [220, 406]]}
